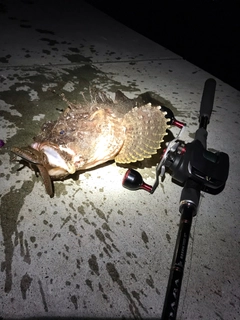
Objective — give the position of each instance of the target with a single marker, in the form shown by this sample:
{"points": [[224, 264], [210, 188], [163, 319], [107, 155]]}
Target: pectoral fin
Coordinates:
{"points": [[145, 129]]}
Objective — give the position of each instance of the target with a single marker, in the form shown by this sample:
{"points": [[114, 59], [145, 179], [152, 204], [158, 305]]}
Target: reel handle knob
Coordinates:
{"points": [[133, 180]]}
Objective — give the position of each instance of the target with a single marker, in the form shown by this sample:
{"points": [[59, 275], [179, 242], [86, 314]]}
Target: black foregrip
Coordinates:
{"points": [[207, 99], [176, 274]]}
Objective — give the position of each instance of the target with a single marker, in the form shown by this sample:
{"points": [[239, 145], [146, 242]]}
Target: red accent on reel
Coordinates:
{"points": [[133, 180]]}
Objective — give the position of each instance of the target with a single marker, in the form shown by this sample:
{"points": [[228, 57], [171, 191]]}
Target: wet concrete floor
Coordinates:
{"points": [[97, 250]]}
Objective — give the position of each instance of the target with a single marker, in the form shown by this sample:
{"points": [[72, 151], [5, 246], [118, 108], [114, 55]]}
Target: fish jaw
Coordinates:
{"points": [[59, 162]]}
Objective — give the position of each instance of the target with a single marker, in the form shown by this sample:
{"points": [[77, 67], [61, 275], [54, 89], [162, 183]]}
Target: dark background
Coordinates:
{"points": [[204, 32]]}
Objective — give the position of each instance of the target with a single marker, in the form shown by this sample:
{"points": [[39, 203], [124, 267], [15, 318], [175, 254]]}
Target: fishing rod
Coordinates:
{"points": [[196, 169]]}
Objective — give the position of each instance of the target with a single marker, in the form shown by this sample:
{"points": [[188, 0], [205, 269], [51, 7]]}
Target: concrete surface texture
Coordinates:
{"points": [[97, 250]]}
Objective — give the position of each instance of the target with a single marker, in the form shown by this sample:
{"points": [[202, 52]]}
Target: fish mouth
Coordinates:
{"points": [[57, 165]]}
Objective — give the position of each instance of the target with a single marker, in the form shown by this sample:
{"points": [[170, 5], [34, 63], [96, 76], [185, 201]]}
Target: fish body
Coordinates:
{"points": [[86, 135]]}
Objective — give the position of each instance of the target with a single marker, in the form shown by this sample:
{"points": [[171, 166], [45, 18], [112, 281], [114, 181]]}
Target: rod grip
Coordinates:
{"points": [[207, 99]]}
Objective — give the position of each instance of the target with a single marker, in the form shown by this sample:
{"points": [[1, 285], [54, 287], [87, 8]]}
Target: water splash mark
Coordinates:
{"points": [[102, 238], [11, 204], [145, 238], [25, 285], [168, 237], [112, 271], [93, 264], [43, 296], [65, 221], [89, 284], [24, 253], [136, 295], [74, 301], [103, 294], [77, 58], [150, 282], [45, 31], [106, 227], [99, 212], [108, 249], [73, 229]]}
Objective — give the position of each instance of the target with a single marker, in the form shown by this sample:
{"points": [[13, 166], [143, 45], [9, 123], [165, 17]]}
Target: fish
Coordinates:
{"points": [[91, 133]]}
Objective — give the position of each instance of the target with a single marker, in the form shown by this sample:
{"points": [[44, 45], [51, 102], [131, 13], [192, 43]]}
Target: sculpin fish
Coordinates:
{"points": [[91, 133]]}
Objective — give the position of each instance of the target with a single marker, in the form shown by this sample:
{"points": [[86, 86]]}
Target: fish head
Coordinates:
{"points": [[80, 141]]}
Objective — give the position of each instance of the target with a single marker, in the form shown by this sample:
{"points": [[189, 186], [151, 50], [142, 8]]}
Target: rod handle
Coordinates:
{"points": [[207, 99]]}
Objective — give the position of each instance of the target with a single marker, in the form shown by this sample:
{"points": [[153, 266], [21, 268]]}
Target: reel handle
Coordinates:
{"points": [[133, 180]]}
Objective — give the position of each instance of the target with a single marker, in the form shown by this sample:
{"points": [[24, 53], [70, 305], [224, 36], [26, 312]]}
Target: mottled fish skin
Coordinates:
{"points": [[86, 135]]}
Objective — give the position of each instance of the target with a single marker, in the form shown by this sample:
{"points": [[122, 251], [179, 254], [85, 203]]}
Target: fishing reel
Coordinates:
{"points": [[186, 161]]}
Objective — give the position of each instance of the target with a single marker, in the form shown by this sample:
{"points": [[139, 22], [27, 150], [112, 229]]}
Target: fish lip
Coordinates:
{"points": [[54, 157]]}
